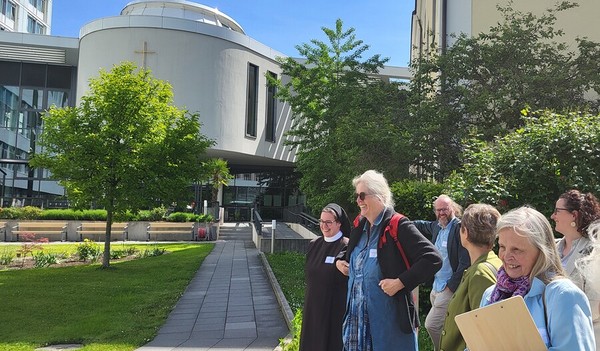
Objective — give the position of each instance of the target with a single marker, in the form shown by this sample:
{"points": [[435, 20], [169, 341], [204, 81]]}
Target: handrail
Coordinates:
{"points": [[257, 221]]}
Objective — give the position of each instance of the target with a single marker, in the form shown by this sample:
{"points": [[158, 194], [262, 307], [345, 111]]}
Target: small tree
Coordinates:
{"points": [[125, 147], [345, 120], [218, 174]]}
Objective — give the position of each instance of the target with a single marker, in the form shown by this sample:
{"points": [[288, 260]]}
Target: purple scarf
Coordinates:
{"points": [[507, 286]]}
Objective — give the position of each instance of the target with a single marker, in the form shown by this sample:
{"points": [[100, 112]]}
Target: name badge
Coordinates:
{"points": [[373, 253], [329, 259], [444, 243]]}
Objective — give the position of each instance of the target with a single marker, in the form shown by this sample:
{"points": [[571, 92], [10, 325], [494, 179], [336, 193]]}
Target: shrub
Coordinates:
{"points": [[155, 214], [6, 257], [415, 198], [9, 212], [30, 212], [42, 259], [294, 343], [88, 251], [155, 251], [533, 165], [181, 217]]}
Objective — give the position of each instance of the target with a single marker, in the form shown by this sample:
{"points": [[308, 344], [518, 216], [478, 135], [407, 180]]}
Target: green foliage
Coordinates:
{"points": [[42, 259], [534, 164], [294, 343], [6, 257], [188, 217], [88, 251], [125, 147], [479, 84], [30, 212], [155, 251], [288, 267], [155, 214], [345, 122], [415, 198], [217, 172]]}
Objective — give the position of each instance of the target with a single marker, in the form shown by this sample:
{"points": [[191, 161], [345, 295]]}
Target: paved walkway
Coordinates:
{"points": [[228, 306]]}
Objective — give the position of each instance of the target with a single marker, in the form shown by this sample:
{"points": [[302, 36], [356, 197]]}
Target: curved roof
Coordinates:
{"points": [[184, 10]]}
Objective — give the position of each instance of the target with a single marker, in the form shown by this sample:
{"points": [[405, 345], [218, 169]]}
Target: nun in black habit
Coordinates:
{"points": [[326, 286]]}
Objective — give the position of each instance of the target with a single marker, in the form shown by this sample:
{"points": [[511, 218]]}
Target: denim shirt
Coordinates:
{"points": [[441, 243]]}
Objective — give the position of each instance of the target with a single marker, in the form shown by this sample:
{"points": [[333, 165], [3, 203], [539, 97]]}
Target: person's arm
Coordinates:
{"points": [[464, 261], [569, 318], [424, 258], [477, 286], [425, 227]]}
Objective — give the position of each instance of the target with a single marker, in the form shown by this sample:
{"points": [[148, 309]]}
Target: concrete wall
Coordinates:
{"points": [[207, 67], [136, 231]]}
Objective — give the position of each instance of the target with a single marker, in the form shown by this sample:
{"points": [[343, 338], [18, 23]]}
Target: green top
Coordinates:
{"points": [[478, 277]]}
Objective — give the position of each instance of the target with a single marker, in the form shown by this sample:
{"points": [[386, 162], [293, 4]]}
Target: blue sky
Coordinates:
{"points": [[384, 25]]}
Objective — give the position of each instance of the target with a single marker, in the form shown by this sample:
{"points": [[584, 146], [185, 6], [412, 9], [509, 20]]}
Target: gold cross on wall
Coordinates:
{"points": [[144, 53]]}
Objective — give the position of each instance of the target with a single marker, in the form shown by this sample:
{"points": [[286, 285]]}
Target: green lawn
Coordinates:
{"points": [[118, 309]]}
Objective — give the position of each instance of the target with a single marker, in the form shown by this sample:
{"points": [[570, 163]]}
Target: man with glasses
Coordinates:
{"points": [[445, 235]]}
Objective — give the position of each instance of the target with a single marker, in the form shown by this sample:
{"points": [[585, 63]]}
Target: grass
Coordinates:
{"points": [[117, 309], [288, 268]]}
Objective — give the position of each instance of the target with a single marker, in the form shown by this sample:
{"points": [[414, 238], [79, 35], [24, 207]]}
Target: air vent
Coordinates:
{"points": [[32, 54]]}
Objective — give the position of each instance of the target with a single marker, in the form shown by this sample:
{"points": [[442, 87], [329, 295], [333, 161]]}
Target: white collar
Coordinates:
{"points": [[331, 239]]}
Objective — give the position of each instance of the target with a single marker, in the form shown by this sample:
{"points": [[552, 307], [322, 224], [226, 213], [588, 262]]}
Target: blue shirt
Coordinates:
{"points": [[567, 309], [441, 243]]}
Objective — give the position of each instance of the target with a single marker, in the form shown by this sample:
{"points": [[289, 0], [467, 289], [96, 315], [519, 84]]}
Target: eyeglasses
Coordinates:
{"points": [[557, 209], [439, 210], [327, 223], [361, 195]]}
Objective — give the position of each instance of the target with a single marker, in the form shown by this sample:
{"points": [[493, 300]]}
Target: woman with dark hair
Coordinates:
{"points": [[575, 214], [326, 286]]}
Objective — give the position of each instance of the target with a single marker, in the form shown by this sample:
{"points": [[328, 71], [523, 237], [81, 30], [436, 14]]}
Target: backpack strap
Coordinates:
{"points": [[392, 230]]}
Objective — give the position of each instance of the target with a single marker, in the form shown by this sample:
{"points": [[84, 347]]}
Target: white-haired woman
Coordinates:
{"points": [[531, 268], [380, 313]]}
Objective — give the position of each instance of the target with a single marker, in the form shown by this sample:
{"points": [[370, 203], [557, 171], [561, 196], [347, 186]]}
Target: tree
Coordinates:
{"points": [[125, 147], [218, 174], [533, 165], [480, 83], [345, 120]]}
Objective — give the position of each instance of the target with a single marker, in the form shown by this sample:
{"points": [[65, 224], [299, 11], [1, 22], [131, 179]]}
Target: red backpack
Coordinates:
{"points": [[392, 229]]}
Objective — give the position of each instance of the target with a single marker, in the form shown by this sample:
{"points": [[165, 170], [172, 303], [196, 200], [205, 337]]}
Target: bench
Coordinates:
{"points": [[51, 230], [97, 230], [3, 229], [180, 230]]}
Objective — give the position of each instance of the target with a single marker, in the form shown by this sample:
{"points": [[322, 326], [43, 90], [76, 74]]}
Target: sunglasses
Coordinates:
{"points": [[361, 195]]}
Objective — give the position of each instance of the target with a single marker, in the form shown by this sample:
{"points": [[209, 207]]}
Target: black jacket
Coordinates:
{"points": [[423, 257], [458, 255]]}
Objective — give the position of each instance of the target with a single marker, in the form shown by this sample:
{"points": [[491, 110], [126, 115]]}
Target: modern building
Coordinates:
{"points": [[435, 21], [215, 69], [26, 16]]}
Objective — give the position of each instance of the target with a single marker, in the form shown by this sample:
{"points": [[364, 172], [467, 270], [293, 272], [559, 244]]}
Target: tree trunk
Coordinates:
{"points": [[106, 256]]}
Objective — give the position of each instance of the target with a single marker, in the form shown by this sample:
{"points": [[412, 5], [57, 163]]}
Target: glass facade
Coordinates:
{"points": [[26, 92]]}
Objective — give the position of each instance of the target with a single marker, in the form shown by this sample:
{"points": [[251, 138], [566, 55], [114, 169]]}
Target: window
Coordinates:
{"points": [[34, 26], [38, 4], [252, 101], [271, 110], [8, 9]]}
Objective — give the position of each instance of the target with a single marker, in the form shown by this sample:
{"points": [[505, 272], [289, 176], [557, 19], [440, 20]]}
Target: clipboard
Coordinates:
{"points": [[503, 326]]}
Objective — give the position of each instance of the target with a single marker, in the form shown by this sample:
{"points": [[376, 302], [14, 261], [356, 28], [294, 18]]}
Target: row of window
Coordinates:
{"points": [[252, 105], [9, 9]]}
